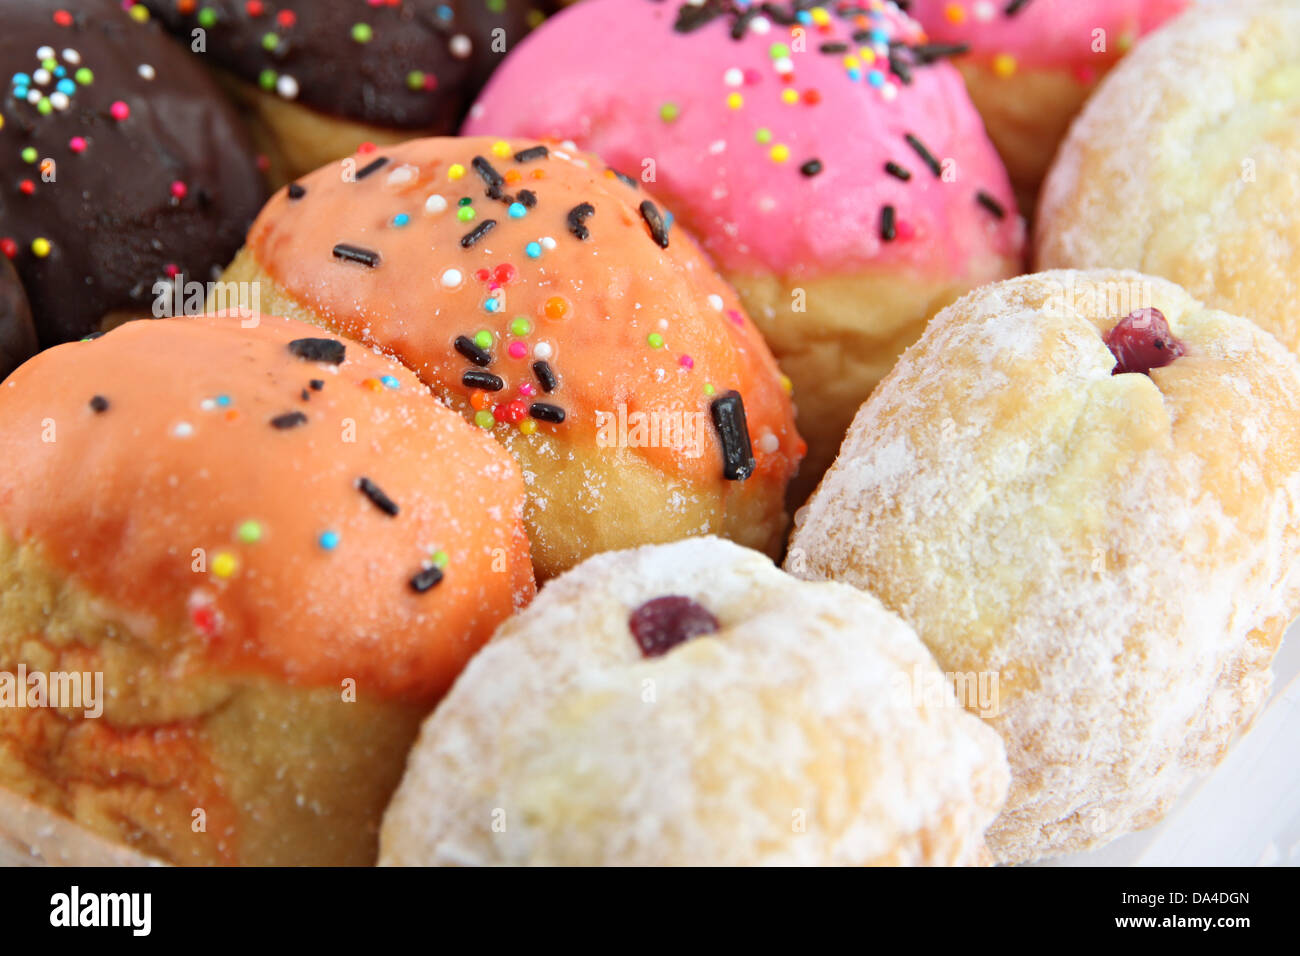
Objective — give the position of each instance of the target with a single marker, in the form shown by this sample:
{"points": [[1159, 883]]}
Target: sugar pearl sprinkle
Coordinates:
{"points": [[876, 48], [512, 378]]}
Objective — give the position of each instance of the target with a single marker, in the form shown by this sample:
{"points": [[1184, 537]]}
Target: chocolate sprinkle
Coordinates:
{"points": [[624, 177], [330, 351], [305, 395], [351, 253], [728, 413], [834, 47], [296, 191], [546, 375], [690, 17], [547, 413], [377, 497], [370, 167], [477, 378], [426, 580], [658, 230], [479, 231], [888, 226], [926, 156], [466, 347], [991, 204], [316, 384], [531, 153], [576, 217], [926, 53], [741, 23], [99, 404], [288, 420], [1015, 6], [898, 171], [491, 178], [811, 168], [527, 198]]}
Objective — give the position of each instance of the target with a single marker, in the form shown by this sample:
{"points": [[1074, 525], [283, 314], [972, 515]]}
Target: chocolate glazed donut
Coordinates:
{"points": [[403, 64], [120, 163], [17, 335]]}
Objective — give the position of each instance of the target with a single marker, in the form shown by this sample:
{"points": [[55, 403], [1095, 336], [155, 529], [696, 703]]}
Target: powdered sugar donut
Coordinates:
{"points": [[1207, 195], [1122, 549], [828, 161], [689, 703], [1031, 65]]}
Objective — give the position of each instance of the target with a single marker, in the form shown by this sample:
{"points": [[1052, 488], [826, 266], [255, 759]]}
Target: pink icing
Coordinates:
{"points": [[1045, 33], [602, 72]]}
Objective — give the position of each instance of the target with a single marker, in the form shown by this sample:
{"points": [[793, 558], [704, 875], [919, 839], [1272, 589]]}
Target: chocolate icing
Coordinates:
{"points": [[110, 215], [369, 81], [17, 335]]}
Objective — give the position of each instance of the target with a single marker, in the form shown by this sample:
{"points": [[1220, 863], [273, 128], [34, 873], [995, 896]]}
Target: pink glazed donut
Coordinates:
{"points": [[826, 157], [1031, 64]]}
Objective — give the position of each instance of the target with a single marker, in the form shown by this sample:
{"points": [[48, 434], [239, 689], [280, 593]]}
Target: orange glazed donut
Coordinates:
{"points": [[276, 549], [553, 303]]}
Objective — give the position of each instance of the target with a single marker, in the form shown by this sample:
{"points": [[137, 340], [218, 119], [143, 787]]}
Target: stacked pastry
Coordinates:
{"points": [[269, 575]]}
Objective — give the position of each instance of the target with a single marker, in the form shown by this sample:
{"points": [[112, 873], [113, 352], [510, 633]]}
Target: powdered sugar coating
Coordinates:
{"points": [[780, 739], [1206, 194], [1124, 551]]}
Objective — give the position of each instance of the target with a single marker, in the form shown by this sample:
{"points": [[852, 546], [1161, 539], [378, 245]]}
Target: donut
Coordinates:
{"points": [[553, 303], [1085, 483], [17, 334], [121, 165], [691, 704], [319, 77], [1207, 194], [1030, 65], [274, 547], [828, 161]]}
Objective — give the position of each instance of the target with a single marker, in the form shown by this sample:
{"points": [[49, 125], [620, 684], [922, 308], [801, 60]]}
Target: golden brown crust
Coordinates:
{"points": [[1123, 552], [260, 693], [630, 329]]}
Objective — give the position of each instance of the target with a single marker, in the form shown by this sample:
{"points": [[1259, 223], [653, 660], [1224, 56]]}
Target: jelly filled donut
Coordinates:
{"points": [[691, 704], [556, 305], [121, 165], [1086, 484], [17, 334], [825, 157], [320, 77], [1208, 195], [1031, 64], [276, 548]]}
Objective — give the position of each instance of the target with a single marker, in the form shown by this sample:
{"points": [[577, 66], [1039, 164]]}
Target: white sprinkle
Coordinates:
{"points": [[715, 300], [183, 430], [207, 405], [766, 204], [460, 46], [41, 77], [405, 173], [768, 443], [984, 11], [146, 71], [435, 204], [570, 145], [287, 87], [71, 56], [548, 243], [452, 279], [543, 350], [45, 53], [59, 100], [476, 111], [734, 76], [888, 92], [717, 146], [760, 25], [34, 96], [783, 65]]}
